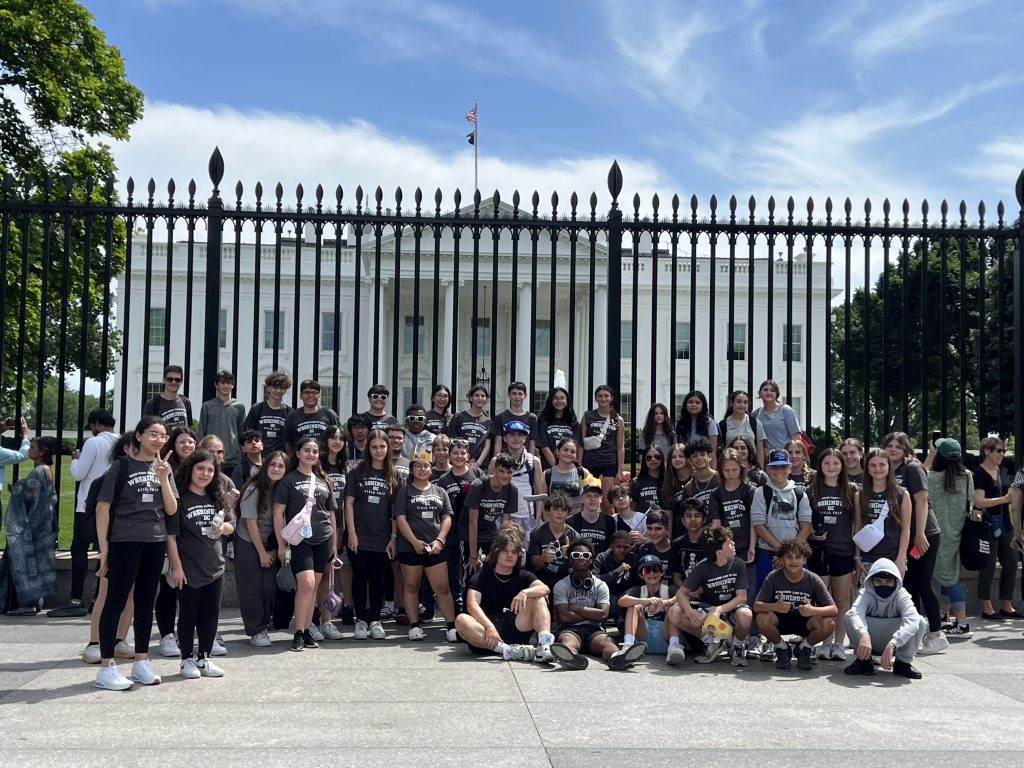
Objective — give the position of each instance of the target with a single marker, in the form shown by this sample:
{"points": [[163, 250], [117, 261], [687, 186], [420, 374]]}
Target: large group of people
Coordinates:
{"points": [[529, 532]]}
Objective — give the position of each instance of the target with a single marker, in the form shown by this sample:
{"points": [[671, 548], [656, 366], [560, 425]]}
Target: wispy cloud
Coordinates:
{"points": [[998, 162]]}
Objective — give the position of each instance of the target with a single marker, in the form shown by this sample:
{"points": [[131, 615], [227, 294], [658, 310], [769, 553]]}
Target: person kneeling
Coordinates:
{"points": [[720, 584], [506, 604], [647, 619], [884, 621], [581, 604], [794, 601]]}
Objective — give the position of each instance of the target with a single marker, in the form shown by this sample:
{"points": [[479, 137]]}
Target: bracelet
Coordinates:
{"points": [[474, 557], [394, 535], [440, 541]]}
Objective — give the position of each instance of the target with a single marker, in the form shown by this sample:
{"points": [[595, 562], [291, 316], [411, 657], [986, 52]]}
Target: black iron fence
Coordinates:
{"points": [[906, 320]]}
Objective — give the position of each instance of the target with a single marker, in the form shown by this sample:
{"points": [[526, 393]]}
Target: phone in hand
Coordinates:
{"points": [[915, 552], [935, 436]]}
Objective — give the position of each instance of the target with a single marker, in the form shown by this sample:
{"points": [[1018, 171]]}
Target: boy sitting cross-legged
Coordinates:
{"points": [[646, 609]]}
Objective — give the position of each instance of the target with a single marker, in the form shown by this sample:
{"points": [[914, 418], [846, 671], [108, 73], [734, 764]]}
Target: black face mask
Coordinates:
{"points": [[884, 591]]}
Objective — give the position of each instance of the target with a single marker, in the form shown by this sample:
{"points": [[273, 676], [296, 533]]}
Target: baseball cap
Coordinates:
{"points": [[778, 459], [591, 484], [516, 426], [100, 416], [650, 561], [948, 448]]}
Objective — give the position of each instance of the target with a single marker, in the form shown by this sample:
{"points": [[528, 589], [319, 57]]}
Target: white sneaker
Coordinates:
{"points": [[123, 651], [91, 654], [416, 633], [169, 646], [315, 632], [111, 679], [544, 654], [360, 632], [823, 650], [933, 645], [219, 649], [451, 635], [208, 669], [142, 672], [329, 631], [838, 653], [739, 655], [377, 631], [388, 610], [260, 640], [711, 652], [189, 669], [676, 655]]}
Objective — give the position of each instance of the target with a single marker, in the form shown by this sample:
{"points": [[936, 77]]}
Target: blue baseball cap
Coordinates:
{"points": [[779, 459], [516, 426]]}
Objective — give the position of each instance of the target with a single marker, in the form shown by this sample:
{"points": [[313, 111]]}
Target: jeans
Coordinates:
{"points": [[131, 563], [955, 596]]}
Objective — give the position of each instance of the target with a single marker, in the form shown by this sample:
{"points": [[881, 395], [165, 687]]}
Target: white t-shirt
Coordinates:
{"points": [[93, 462]]}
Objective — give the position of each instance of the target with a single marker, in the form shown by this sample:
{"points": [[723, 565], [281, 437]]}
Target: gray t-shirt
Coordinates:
{"points": [[717, 584], [778, 426], [809, 590], [567, 482], [137, 514], [202, 558], [371, 508], [492, 505], [565, 593], [175, 413], [837, 519], [423, 510], [913, 478], [249, 509], [293, 490]]}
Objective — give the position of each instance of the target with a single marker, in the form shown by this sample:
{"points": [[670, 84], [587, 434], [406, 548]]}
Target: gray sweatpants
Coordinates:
{"points": [[881, 632]]}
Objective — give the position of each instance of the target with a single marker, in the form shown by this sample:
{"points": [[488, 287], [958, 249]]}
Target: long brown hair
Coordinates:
{"points": [[260, 483], [846, 490], [390, 476], [183, 476], [893, 492], [317, 468], [670, 482]]}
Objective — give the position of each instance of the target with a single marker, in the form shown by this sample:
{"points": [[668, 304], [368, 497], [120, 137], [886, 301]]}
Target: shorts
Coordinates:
{"points": [[656, 644], [825, 563], [311, 557], [726, 617], [600, 470], [792, 623], [586, 633], [420, 559], [510, 634]]}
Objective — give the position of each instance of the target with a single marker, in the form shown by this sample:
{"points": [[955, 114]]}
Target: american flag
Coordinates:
{"points": [[471, 115]]}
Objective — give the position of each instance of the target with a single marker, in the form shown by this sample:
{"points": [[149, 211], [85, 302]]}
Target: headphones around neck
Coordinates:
{"points": [[587, 582]]}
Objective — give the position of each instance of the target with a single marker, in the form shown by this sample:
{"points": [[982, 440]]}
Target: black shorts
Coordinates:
{"points": [[825, 563], [600, 470], [792, 623], [509, 633], [585, 633], [426, 561], [311, 557]]}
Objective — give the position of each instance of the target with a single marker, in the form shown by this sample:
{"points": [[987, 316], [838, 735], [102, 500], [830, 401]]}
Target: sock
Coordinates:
{"points": [[782, 644], [96, 643], [118, 640], [449, 625], [545, 638], [673, 642], [413, 624], [504, 649], [708, 638], [628, 640], [737, 643], [804, 643]]}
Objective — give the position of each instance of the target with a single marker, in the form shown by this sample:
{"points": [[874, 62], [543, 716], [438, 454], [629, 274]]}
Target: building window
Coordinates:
{"points": [[677, 408], [327, 395], [539, 399], [626, 408], [682, 341], [738, 342], [792, 344], [222, 329], [626, 343], [157, 317], [410, 396], [327, 331], [542, 338], [794, 403], [153, 388], [410, 321], [268, 329], [482, 336]]}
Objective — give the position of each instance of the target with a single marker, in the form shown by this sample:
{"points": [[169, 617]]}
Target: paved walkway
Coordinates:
{"points": [[425, 704]]}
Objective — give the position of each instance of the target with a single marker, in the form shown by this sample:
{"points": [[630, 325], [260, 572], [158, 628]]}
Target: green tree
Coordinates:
{"points": [[62, 86]]}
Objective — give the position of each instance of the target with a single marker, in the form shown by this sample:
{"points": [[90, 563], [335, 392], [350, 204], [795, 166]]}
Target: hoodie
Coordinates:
{"points": [[899, 604], [783, 516]]}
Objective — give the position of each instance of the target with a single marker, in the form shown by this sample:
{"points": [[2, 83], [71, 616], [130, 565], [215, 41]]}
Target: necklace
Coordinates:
{"points": [[697, 483], [505, 580]]}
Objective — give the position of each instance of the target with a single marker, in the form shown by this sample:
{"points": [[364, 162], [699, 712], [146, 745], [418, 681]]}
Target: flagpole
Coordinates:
{"points": [[476, 145]]}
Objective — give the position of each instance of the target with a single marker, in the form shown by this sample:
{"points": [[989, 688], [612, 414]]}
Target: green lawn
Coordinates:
{"points": [[67, 498]]}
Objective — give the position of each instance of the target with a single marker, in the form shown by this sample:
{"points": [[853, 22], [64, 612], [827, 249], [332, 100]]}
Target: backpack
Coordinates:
{"points": [[94, 491], [767, 492], [723, 429]]}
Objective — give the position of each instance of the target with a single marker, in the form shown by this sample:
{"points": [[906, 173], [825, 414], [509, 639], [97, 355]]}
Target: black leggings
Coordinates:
{"points": [[199, 611], [919, 583], [368, 571], [166, 605], [130, 563]]}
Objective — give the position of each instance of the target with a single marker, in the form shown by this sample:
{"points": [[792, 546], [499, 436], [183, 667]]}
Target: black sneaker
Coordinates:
{"points": [[297, 642], [567, 657], [348, 616], [783, 657], [308, 641], [903, 669], [803, 657], [68, 610], [860, 667]]}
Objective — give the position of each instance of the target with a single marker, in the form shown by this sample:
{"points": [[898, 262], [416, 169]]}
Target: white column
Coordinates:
{"points": [[383, 318], [524, 330], [447, 335], [601, 351]]}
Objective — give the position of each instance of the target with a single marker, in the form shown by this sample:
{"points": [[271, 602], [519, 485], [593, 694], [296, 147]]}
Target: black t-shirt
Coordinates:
{"points": [[912, 477], [423, 510], [685, 556], [202, 557], [717, 584], [383, 422], [491, 504], [137, 514], [270, 422], [175, 413], [540, 538], [732, 510], [550, 434], [499, 422], [665, 557], [599, 533], [606, 567], [606, 454], [993, 488], [474, 429], [337, 474], [643, 491], [837, 520], [701, 489], [496, 592], [299, 424], [293, 490], [457, 486], [371, 508], [436, 422]]}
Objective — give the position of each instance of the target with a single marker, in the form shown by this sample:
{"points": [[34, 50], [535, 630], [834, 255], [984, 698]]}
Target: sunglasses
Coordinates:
{"points": [[649, 570], [459, 443], [415, 419], [580, 555], [1000, 450], [376, 396], [173, 380]]}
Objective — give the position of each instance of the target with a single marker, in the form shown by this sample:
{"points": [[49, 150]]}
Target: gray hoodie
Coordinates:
{"points": [[899, 604], [781, 514]]}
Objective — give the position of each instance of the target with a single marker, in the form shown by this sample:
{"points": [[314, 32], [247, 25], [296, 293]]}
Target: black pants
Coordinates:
{"points": [[166, 606], [456, 582], [368, 572], [1001, 549], [129, 564], [256, 587], [83, 535], [919, 583], [198, 612]]}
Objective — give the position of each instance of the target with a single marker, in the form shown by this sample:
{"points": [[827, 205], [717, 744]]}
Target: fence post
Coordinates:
{"points": [[1018, 331], [613, 332], [214, 226]]}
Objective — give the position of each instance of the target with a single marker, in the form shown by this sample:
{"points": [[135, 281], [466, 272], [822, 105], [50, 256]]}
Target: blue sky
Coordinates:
{"points": [[898, 99]]}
